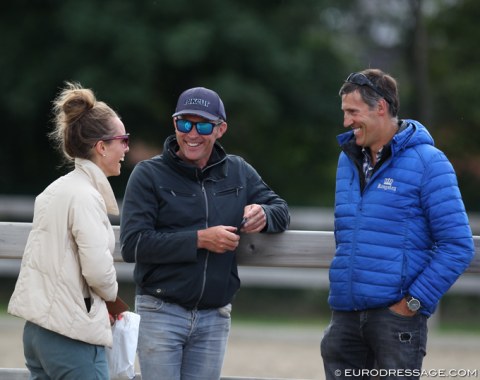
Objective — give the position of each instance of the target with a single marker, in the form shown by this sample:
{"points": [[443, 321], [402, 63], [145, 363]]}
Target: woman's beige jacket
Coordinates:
{"points": [[68, 257]]}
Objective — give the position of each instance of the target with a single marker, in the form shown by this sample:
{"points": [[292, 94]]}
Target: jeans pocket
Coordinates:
{"points": [[397, 315], [148, 303], [225, 311]]}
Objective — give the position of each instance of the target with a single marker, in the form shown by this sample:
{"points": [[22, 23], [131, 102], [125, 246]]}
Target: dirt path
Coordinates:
{"points": [[287, 352]]}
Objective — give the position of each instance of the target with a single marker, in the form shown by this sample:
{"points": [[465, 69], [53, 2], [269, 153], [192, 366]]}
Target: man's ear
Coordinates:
{"points": [[222, 128], [382, 106]]}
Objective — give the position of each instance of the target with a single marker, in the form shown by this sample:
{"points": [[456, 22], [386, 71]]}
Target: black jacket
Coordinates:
{"points": [[167, 201]]}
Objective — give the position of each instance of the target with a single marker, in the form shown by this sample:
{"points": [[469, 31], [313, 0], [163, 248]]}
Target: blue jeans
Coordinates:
{"points": [[179, 344], [49, 356], [359, 345]]}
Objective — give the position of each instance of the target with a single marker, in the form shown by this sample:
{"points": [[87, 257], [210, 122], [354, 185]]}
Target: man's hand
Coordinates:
{"points": [[256, 220], [401, 308], [218, 239]]}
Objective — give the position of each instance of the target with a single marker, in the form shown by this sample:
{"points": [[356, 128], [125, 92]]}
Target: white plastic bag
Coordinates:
{"points": [[121, 357]]}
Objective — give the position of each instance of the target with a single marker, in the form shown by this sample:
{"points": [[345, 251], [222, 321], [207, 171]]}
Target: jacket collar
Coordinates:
{"points": [[411, 132], [217, 157], [99, 180]]}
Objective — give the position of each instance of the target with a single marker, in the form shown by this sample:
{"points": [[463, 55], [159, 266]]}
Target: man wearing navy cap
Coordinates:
{"points": [[183, 213]]}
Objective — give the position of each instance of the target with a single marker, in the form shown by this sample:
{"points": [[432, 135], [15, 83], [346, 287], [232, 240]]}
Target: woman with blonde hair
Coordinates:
{"points": [[67, 271]]}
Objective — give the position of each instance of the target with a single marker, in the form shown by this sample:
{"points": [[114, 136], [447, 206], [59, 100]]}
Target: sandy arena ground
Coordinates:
{"points": [[288, 352]]}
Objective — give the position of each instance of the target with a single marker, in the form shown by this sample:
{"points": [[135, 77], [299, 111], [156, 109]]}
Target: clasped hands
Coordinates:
{"points": [[220, 239]]}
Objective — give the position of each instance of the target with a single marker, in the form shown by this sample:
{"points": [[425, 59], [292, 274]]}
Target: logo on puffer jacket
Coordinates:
{"points": [[387, 185]]}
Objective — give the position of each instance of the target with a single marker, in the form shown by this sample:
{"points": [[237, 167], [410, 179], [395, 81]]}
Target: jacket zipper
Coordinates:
{"points": [[360, 207], [136, 245], [205, 266]]}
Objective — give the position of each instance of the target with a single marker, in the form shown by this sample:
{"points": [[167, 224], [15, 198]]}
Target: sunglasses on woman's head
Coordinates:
{"points": [[203, 128]]}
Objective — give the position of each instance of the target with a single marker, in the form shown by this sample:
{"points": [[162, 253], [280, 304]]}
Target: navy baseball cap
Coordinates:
{"points": [[202, 102]]}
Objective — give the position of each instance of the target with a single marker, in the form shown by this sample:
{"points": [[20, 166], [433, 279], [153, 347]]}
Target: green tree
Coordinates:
{"points": [[454, 79], [278, 65], [273, 62]]}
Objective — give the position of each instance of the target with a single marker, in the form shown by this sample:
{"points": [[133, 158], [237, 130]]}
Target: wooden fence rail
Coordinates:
{"points": [[291, 249]]}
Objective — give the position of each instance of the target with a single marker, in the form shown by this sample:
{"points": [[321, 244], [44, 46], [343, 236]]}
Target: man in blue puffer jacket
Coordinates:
{"points": [[402, 236]]}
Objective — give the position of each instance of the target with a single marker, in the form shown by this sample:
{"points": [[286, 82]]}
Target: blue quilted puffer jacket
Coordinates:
{"points": [[406, 232]]}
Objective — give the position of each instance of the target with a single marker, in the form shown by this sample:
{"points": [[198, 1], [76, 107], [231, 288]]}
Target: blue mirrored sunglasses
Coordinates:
{"points": [[202, 127]]}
